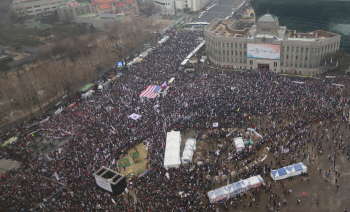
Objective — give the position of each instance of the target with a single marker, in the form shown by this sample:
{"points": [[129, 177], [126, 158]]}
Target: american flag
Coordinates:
{"points": [[151, 91]]}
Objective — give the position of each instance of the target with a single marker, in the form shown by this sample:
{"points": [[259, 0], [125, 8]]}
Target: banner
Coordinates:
{"points": [[56, 175], [44, 120], [341, 85], [297, 82], [216, 124], [263, 51], [330, 76], [103, 184], [143, 174]]}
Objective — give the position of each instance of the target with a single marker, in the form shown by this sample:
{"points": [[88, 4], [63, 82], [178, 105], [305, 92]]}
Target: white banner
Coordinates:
{"points": [[135, 116], [216, 124], [263, 51], [330, 76], [254, 131], [45, 120], [297, 82], [103, 184], [56, 175], [58, 111], [341, 85]]}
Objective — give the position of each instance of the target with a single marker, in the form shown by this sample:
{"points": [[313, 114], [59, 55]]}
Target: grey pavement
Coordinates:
{"points": [[223, 10]]}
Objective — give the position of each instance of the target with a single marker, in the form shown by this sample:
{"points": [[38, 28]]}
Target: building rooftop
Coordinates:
{"points": [[222, 28], [89, 15], [71, 5], [267, 18], [310, 36]]}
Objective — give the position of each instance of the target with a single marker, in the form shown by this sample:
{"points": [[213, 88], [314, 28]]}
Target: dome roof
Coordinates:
{"points": [[268, 18]]}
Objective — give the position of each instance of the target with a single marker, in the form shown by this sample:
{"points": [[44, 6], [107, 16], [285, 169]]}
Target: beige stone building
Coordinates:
{"points": [[268, 45]]}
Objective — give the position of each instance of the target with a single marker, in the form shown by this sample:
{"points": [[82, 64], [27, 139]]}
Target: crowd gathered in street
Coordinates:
{"points": [[297, 122]]}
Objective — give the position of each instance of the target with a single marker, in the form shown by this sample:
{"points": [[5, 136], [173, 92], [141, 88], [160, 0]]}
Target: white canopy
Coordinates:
{"points": [[288, 171], [239, 143], [190, 147], [172, 150], [235, 188]]}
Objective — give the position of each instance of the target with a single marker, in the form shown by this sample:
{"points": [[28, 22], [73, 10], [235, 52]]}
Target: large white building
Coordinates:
{"points": [[170, 6], [268, 45]]}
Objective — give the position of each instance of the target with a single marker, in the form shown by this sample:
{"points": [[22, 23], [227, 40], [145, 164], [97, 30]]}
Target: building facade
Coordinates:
{"points": [[171, 6], [268, 45], [75, 11], [32, 8]]}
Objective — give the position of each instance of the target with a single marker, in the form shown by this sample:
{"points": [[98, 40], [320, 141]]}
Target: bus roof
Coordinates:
{"points": [[87, 87]]}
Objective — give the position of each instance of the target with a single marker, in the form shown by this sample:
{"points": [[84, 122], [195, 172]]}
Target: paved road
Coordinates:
{"points": [[223, 10]]}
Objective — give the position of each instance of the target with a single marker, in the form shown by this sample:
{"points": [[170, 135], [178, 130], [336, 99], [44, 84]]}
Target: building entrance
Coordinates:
{"points": [[263, 66]]}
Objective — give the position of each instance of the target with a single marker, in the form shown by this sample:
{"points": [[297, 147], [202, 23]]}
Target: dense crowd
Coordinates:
{"points": [[291, 116]]}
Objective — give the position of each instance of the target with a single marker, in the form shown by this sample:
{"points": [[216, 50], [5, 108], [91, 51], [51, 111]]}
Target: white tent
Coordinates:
{"points": [[288, 171], [172, 150], [239, 144], [235, 188], [190, 147]]}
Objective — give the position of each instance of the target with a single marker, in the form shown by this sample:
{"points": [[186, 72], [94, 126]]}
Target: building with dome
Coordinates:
{"points": [[267, 45]]}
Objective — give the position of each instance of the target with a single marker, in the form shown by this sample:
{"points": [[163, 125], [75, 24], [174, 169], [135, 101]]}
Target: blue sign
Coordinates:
{"points": [[119, 64]]}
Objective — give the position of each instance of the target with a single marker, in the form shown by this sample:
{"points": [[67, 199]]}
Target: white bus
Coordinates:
{"points": [[198, 24]]}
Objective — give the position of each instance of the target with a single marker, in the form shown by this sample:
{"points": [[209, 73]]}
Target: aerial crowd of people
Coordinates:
{"points": [[302, 118]]}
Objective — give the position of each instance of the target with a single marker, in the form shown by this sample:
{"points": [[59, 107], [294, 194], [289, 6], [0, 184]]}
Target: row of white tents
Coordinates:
{"points": [[235, 188], [190, 147], [172, 150], [288, 171]]}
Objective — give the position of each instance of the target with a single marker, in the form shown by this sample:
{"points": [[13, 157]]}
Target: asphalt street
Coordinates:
{"points": [[223, 10]]}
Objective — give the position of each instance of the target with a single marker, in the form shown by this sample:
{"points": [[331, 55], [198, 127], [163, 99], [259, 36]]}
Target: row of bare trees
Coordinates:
{"points": [[62, 67]]}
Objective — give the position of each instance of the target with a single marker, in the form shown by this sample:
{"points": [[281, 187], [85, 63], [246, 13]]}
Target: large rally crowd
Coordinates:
{"points": [[286, 114]]}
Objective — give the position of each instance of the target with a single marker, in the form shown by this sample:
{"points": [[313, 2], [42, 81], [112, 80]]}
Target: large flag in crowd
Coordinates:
{"points": [[151, 91]]}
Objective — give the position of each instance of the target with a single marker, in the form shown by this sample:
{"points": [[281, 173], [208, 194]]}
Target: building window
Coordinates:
{"points": [[288, 49], [296, 65], [235, 45], [282, 48], [281, 63], [231, 45], [251, 62], [240, 45], [275, 64], [287, 57], [286, 64], [301, 49], [292, 49], [236, 60], [223, 45], [304, 65], [245, 60], [231, 52], [245, 46], [296, 57], [305, 58], [245, 53], [228, 52], [227, 45], [297, 49], [236, 53], [306, 49], [240, 60], [240, 53], [223, 59]]}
